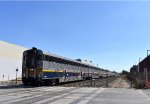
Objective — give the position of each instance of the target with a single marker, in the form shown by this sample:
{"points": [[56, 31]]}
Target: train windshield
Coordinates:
{"points": [[31, 59]]}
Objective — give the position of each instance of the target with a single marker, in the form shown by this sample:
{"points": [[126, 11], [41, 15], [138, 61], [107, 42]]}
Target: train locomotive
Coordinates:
{"points": [[44, 68]]}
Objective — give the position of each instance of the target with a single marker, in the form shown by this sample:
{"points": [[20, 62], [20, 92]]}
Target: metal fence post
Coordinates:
{"points": [[91, 82]]}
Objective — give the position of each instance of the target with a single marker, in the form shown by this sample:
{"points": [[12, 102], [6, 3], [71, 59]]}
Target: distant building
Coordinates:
{"points": [[10, 60]]}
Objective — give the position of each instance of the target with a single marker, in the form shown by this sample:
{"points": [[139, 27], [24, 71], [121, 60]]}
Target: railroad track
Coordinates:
{"points": [[102, 82]]}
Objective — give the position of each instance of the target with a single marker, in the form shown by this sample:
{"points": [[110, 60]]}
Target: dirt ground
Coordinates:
{"points": [[120, 83]]}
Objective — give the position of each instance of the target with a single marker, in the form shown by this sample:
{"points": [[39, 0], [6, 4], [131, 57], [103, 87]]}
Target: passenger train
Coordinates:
{"points": [[44, 68]]}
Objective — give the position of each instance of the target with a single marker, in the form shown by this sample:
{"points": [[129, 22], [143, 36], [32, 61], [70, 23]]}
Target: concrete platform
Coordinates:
{"points": [[72, 95]]}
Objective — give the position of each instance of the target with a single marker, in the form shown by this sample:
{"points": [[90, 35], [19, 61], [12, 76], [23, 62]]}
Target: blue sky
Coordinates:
{"points": [[113, 35]]}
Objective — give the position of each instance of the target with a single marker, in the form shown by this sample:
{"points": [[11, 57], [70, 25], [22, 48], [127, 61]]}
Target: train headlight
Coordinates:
{"points": [[67, 75]]}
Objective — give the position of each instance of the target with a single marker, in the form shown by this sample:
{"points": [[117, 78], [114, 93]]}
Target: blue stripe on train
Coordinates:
{"points": [[53, 74]]}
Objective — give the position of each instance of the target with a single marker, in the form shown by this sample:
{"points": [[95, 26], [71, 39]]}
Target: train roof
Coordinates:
{"points": [[71, 60]]}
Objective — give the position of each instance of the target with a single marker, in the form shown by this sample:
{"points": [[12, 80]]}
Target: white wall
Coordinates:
{"points": [[10, 59]]}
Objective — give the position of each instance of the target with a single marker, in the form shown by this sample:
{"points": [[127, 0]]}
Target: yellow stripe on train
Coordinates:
{"points": [[53, 70]]}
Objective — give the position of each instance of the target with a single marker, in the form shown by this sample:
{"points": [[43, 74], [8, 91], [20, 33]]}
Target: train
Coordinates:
{"points": [[40, 68]]}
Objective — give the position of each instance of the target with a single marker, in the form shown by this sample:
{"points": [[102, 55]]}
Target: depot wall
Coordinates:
{"points": [[10, 59]]}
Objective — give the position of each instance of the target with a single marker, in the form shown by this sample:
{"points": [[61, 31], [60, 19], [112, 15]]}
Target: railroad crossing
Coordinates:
{"points": [[118, 92], [73, 95]]}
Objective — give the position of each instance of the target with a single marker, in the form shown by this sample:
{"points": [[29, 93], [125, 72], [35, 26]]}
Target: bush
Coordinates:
{"points": [[139, 84]]}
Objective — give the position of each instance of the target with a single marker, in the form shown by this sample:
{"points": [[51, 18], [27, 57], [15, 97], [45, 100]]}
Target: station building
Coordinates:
{"points": [[10, 60]]}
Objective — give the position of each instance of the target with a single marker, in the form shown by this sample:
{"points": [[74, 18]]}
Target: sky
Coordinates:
{"points": [[112, 34]]}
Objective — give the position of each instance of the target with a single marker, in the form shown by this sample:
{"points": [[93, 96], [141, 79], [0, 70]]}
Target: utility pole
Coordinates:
{"points": [[106, 79], [139, 70], [3, 79], [16, 74], [91, 82]]}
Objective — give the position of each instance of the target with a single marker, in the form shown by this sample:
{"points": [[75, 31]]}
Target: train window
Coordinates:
{"points": [[51, 59], [47, 58], [39, 57], [44, 57], [24, 58]]}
